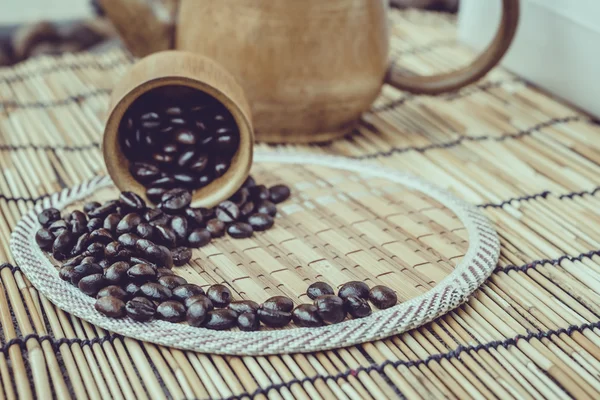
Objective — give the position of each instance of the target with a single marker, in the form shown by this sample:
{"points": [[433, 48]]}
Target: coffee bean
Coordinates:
{"points": [[58, 227], [184, 179], [150, 120], [186, 158], [145, 231], [205, 179], [181, 256], [279, 193], [247, 209], [110, 306], [155, 291], [117, 272], [48, 216], [170, 310], [266, 207], [66, 273], [244, 306], [94, 223], [261, 222], [80, 244], [115, 251], [165, 236], [154, 194], [220, 319], [133, 289], [201, 298], [171, 281], [74, 261], [196, 313], [140, 309], [307, 315], [240, 230], [240, 197], [44, 238], [88, 260], [94, 250], [278, 303], [111, 221], [358, 307], [248, 322], [175, 200], [249, 182], [165, 181], [89, 206], [354, 288], [199, 237], [91, 284], [160, 272], [330, 308], [227, 212], [188, 290], [382, 297], [195, 217], [319, 289], [104, 263], [131, 202], [156, 217], [185, 137], [129, 240], [62, 245], [198, 164], [142, 245], [221, 166], [220, 295], [216, 227], [78, 222], [104, 210], [179, 225], [141, 273], [129, 223], [101, 235], [112, 290], [274, 318], [259, 193], [173, 111], [160, 255]]}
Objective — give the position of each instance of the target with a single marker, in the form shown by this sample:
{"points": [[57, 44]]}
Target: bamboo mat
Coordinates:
{"points": [[528, 161]]}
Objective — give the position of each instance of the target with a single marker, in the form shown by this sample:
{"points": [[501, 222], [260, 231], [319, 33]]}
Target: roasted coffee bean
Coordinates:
{"points": [[80, 244], [150, 120], [279, 193], [94, 223], [165, 181], [112, 290], [220, 319], [165, 236], [201, 298], [160, 255], [179, 225], [101, 235], [330, 308], [204, 179], [62, 245], [240, 197], [188, 290], [196, 313], [155, 216], [110, 306], [131, 202], [216, 227], [128, 240], [186, 158], [94, 250], [307, 315], [44, 238], [185, 137], [66, 273], [160, 272], [104, 263], [171, 281], [140, 309], [354, 288], [115, 251], [382, 297], [240, 230], [145, 231], [227, 212], [195, 217], [220, 295], [170, 310], [142, 273], [129, 223], [260, 222], [249, 182], [155, 291], [198, 237], [248, 322], [226, 142], [133, 289], [244, 306], [88, 260], [175, 200], [358, 307], [184, 179], [173, 111], [154, 193], [89, 206], [247, 209], [198, 164], [278, 303], [74, 261], [48, 216], [104, 210], [221, 166], [58, 227], [274, 318], [266, 207], [91, 284], [181, 255], [116, 273], [111, 221], [318, 289], [78, 222], [142, 245], [259, 193]]}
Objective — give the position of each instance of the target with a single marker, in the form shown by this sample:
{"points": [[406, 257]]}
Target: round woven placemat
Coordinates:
{"points": [[346, 220]]}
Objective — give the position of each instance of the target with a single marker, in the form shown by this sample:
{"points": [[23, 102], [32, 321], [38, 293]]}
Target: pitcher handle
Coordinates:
{"points": [[446, 82]]}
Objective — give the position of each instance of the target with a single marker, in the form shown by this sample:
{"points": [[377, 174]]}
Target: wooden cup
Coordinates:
{"points": [[180, 68]]}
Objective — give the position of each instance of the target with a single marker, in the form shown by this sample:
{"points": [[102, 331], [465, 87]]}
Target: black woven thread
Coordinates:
{"points": [[552, 261], [56, 343], [461, 139], [379, 368], [580, 194], [12, 147], [12, 268], [53, 103], [542, 195]]}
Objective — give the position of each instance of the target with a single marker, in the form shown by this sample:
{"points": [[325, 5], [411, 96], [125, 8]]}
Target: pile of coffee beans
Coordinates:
{"points": [[176, 137]]}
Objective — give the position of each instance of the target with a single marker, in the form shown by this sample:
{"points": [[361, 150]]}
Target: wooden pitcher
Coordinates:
{"points": [[309, 68]]}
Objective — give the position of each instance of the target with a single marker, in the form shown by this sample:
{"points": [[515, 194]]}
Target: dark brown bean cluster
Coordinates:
{"points": [[172, 144]]}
